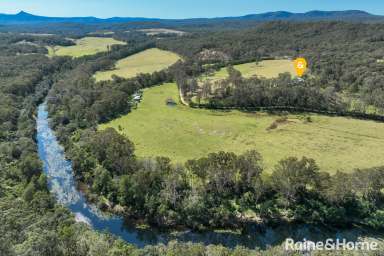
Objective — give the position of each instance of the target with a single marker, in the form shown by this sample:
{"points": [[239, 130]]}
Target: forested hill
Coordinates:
{"points": [[350, 15]]}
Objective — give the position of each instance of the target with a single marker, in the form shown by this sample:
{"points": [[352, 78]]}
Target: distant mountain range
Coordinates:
{"points": [[27, 18], [351, 15]]}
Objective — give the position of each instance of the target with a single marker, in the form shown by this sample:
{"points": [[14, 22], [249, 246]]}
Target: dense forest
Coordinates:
{"points": [[28, 213], [221, 190]]}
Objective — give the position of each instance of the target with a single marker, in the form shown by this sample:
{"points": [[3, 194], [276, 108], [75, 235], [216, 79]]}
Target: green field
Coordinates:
{"points": [[183, 133], [147, 61], [84, 46], [265, 68]]}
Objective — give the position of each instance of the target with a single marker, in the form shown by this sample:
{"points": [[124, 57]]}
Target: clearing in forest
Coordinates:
{"points": [[265, 68], [182, 133], [84, 46], [157, 31], [147, 61]]}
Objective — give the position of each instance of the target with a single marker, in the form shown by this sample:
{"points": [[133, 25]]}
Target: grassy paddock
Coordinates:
{"points": [[84, 46], [147, 61], [265, 68], [182, 133]]}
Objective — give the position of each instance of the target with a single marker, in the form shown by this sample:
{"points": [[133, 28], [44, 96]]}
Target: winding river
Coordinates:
{"points": [[62, 185]]}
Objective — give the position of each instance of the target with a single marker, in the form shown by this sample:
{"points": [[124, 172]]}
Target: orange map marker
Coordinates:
{"points": [[300, 66]]}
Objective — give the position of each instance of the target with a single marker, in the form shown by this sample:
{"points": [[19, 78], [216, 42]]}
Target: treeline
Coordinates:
{"points": [[284, 93], [237, 92], [223, 190]]}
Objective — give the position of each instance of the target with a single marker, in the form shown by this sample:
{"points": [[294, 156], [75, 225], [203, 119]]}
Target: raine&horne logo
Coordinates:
{"points": [[330, 245]]}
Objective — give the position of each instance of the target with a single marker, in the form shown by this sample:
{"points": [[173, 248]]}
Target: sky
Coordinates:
{"points": [[180, 8]]}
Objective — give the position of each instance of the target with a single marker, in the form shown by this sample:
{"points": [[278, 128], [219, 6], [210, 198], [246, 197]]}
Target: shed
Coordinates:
{"points": [[170, 102], [137, 97]]}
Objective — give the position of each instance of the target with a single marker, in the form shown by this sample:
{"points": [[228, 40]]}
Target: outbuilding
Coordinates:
{"points": [[137, 97], [170, 102]]}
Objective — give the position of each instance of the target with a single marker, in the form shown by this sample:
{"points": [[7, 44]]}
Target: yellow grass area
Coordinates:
{"points": [[84, 46], [265, 68], [182, 133], [147, 61]]}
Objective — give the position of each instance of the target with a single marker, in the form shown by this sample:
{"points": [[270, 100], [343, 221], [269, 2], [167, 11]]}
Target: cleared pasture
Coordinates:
{"points": [[183, 133], [147, 61], [265, 68], [84, 46]]}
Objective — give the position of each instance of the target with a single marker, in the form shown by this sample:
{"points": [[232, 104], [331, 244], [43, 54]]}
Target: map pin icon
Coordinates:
{"points": [[300, 66]]}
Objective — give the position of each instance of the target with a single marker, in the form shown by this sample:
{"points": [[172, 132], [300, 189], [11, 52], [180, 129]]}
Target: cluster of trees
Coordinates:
{"points": [[221, 190], [277, 94], [263, 93], [13, 43]]}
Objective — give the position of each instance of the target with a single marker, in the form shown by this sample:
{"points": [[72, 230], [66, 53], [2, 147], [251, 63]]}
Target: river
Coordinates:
{"points": [[62, 185]]}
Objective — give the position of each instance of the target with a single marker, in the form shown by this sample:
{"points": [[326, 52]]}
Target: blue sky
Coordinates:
{"points": [[180, 8]]}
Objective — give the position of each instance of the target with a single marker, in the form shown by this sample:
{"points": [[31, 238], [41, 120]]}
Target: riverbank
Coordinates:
{"points": [[63, 186]]}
